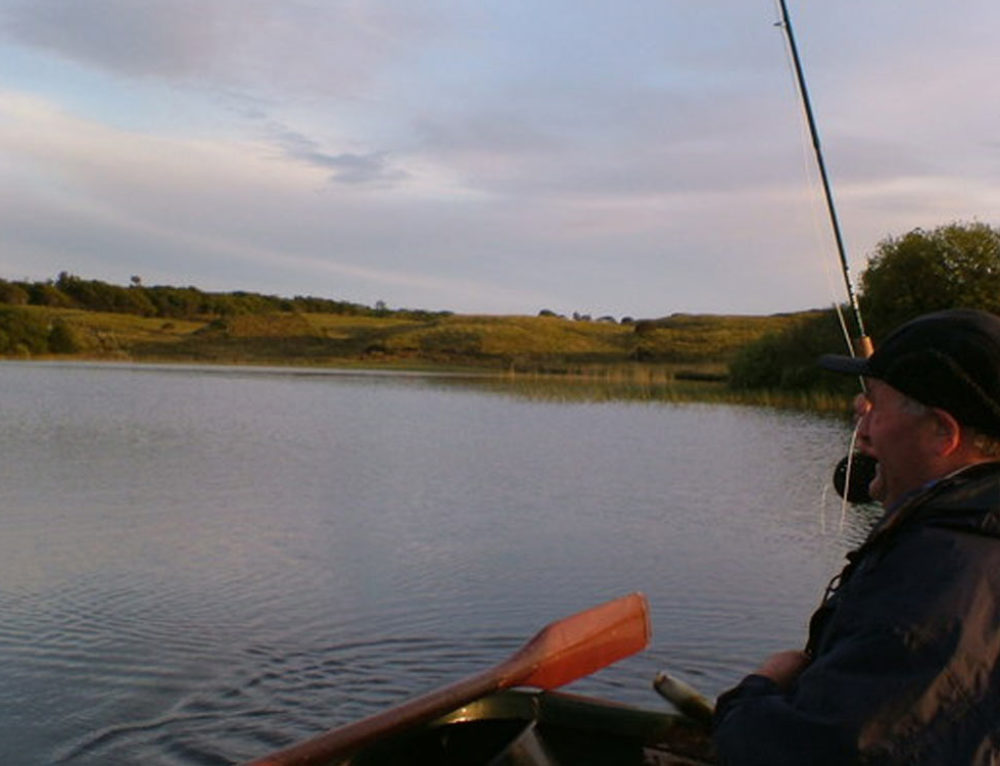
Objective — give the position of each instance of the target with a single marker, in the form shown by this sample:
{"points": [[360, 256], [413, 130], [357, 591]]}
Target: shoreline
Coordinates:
{"points": [[596, 384]]}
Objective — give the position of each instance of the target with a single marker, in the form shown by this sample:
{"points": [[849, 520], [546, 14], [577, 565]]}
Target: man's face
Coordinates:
{"points": [[899, 437]]}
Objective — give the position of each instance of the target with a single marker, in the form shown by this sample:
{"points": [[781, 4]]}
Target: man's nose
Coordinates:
{"points": [[862, 404]]}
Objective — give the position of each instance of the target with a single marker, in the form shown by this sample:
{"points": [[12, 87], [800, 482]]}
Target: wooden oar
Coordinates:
{"points": [[561, 652]]}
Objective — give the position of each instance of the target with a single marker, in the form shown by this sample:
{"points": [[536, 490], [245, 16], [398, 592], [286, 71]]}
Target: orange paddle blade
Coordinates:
{"points": [[579, 645]]}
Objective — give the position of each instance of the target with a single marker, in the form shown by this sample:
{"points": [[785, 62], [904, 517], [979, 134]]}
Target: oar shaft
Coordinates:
{"points": [[322, 749]]}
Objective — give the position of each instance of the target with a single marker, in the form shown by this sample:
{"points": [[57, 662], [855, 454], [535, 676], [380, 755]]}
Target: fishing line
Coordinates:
{"points": [[849, 477]]}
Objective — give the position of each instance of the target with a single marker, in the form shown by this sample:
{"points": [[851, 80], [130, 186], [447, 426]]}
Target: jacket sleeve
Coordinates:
{"points": [[897, 658], [819, 721], [755, 725]]}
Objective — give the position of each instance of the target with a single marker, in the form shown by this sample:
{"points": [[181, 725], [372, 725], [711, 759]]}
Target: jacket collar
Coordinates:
{"points": [[909, 504]]}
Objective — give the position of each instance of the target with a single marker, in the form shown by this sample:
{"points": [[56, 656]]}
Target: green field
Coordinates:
{"points": [[694, 346]]}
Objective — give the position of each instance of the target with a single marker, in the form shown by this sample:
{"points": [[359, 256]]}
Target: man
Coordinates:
{"points": [[903, 659]]}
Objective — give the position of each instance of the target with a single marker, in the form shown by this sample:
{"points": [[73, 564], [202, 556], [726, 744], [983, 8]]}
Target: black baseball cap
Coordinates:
{"points": [[948, 359]]}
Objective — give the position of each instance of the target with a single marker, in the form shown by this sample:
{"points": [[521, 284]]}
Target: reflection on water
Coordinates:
{"points": [[592, 388], [198, 566]]}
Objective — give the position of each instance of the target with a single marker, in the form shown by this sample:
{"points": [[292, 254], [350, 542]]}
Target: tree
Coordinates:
{"points": [[953, 266], [47, 294]]}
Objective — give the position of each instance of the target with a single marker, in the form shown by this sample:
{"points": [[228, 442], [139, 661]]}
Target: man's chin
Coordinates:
{"points": [[876, 487]]}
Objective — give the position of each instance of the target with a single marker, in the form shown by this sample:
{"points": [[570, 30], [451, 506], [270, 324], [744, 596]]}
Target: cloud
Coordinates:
{"points": [[345, 167], [126, 37], [85, 196], [295, 46]]}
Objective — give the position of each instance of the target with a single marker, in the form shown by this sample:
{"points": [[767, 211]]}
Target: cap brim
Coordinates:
{"points": [[849, 365]]}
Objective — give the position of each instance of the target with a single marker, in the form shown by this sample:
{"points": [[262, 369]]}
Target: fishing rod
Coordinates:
{"points": [[853, 473], [862, 344]]}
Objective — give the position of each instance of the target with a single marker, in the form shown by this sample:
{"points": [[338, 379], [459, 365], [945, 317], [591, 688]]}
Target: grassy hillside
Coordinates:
{"points": [[696, 345]]}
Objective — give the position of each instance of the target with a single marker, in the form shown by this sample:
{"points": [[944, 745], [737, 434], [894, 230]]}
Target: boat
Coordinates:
{"points": [[544, 729]]}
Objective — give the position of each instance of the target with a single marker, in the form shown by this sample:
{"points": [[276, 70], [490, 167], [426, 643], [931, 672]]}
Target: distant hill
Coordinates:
{"points": [[90, 319]]}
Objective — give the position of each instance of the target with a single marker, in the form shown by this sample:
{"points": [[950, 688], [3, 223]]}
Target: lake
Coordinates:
{"points": [[199, 565]]}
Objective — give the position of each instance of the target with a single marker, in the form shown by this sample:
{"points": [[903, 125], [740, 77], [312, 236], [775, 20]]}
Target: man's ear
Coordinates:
{"points": [[947, 432]]}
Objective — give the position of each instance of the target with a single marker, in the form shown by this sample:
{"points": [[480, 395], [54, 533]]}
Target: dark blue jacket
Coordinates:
{"points": [[906, 647]]}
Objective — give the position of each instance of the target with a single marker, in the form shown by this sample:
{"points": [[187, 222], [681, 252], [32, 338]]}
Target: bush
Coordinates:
{"points": [[22, 332], [63, 339], [13, 294], [786, 360]]}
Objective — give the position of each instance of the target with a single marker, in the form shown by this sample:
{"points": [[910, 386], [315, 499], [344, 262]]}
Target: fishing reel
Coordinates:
{"points": [[854, 487]]}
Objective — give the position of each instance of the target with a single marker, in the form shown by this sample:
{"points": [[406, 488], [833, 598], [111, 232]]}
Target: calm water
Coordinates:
{"points": [[198, 566]]}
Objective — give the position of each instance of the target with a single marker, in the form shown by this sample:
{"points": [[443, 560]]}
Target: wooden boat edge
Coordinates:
{"points": [[651, 737]]}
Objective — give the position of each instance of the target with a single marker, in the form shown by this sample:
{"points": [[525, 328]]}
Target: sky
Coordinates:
{"points": [[629, 158]]}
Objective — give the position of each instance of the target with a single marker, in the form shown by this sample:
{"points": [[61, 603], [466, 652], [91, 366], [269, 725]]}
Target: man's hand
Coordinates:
{"points": [[784, 667]]}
